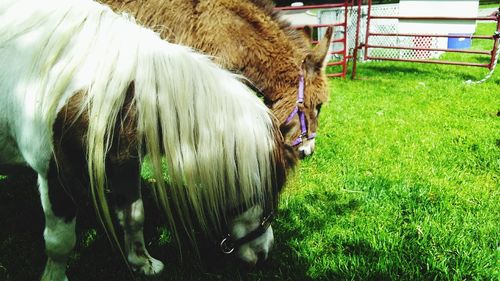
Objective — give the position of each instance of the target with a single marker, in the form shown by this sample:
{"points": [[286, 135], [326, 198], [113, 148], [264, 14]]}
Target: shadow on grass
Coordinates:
{"points": [[306, 243], [22, 254], [302, 218], [21, 241]]}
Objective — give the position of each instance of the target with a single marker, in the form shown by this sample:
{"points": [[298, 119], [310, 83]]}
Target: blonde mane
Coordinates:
{"points": [[220, 143], [247, 37]]}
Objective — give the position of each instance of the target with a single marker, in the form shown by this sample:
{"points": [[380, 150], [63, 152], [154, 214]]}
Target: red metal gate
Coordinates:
{"points": [[342, 53], [353, 11], [423, 47]]}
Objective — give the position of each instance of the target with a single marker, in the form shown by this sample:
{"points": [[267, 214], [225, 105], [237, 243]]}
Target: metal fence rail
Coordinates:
{"points": [[370, 36], [339, 56], [359, 30]]}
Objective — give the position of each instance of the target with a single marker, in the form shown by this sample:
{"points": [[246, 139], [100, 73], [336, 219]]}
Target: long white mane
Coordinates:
{"points": [[216, 138]]}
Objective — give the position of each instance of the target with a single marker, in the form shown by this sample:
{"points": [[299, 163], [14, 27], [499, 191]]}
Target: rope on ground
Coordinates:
{"points": [[495, 60]]}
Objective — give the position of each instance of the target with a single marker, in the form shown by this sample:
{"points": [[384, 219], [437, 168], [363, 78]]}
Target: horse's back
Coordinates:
{"points": [[29, 78], [16, 58]]}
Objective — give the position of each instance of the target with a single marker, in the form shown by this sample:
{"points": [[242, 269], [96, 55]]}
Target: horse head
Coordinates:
{"points": [[304, 95], [250, 237]]}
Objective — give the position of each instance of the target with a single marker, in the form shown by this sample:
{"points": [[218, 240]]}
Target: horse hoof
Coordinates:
{"points": [[153, 267], [54, 271]]}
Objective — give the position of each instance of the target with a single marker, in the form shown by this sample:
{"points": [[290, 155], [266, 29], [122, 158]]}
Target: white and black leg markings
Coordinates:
{"points": [[132, 219], [59, 235], [124, 177]]}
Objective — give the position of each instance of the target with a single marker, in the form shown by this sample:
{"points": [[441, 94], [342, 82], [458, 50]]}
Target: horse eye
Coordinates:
{"points": [[318, 109]]}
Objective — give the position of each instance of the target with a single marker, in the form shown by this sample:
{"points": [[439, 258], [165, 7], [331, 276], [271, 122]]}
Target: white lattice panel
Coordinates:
{"points": [[378, 26]]}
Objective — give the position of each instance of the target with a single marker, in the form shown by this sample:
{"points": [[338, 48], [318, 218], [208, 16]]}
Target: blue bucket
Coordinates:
{"points": [[460, 42]]}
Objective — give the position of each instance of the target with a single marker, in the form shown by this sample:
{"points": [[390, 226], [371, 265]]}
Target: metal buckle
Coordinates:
{"points": [[226, 245]]}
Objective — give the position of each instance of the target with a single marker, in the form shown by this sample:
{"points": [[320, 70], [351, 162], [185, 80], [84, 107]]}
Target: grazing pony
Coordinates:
{"points": [[250, 38], [87, 95]]}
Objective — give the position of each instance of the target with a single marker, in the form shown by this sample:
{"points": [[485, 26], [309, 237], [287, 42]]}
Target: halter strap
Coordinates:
{"points": [[301, 114], [229, 244]]}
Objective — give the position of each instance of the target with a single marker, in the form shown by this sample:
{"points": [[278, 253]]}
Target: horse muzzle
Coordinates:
{"points": [[306, 148], [256, 252]]}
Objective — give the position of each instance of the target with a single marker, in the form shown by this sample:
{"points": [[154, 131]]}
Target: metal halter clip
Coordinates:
{"points": [[227, 245]]}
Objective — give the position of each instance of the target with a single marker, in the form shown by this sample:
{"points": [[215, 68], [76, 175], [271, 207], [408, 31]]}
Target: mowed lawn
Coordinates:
{"points": [[404, 185]]}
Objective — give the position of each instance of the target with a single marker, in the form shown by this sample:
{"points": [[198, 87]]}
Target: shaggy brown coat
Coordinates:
{"points": [[246, 37]]}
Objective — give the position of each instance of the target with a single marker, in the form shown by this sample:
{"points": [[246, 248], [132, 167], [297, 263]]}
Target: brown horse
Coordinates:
{"points": [[248, 37]]}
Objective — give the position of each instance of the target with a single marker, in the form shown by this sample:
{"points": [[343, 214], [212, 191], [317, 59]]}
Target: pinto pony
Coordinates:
{"points": [[87, 95], [249, 37]]}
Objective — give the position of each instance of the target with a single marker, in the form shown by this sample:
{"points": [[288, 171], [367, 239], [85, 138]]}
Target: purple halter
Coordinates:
{"points": [[302, 115]]}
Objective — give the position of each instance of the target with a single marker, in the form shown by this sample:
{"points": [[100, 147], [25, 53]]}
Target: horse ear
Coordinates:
{"points": [[315, 61]]}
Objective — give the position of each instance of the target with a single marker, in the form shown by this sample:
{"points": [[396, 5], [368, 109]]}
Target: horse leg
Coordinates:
{"points": [[60, 217], [124, 181]]}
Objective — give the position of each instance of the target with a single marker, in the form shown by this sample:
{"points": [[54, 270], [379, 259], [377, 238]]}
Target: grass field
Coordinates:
{"points": [[405, 185], [483, 6]]}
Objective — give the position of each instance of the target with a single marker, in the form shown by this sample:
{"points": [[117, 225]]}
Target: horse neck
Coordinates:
{"points": [[263, 50]]}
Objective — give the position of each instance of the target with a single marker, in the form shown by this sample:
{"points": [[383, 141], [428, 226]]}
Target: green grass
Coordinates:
{"points": [[483, 6], [404, 185]]}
